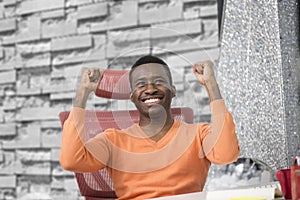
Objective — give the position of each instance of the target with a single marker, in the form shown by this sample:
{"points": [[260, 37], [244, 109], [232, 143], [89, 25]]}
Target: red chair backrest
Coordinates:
{"points": [[114, 85]]}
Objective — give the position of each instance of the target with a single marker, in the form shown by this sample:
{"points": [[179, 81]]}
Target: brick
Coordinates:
{"points": [[8, 77], [27, 7], [51, 124], [99, 40], [2, 10], [13, 63], [63, 87], [148, 1], [9, 117], [51, 138], [10, 11], [83, 29], [97, 100], [59, 172], [1, 156], [176, 28], [57, 28], [160, 13], [22, 91], [210, 40], [53, 14], [179, 87], [128, 49], [91, 55], [74, 42], [9, 2], [2, 116], [177, 44], [123, 15], [129, 35], [61, 96], [191, 13], [186, 59], [67, 195], [8, 25], [40, 190], [33, 48], [99, 27], [37, 81], [74, 71], [8, 129], [28, 137], [210, 25], [9, 158], [55, 154], [7, 167], [92, 10], [209, 11], [79, 2], [9, 52], [57, 183], [185, 43], [29, 155], [97, 54], [71, 184], [40, 60], [178, 75], [39, 113], [57, 73], [8, 181], [30, 30], [2, 92], [8, 40], [33, 169], [9, 104], [1, 53]]}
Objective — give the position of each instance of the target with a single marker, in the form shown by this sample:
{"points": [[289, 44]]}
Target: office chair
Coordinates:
{"points": [[114, 85]]}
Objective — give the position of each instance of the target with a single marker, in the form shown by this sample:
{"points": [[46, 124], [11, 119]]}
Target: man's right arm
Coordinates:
{"points": [[74, 154]]}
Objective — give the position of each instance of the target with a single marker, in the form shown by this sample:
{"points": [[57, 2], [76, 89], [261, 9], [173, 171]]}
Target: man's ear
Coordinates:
{"points": [[173, 90], [131, 97]]}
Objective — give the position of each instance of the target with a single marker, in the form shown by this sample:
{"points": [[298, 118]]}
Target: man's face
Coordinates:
{"points": [[151, 88]]}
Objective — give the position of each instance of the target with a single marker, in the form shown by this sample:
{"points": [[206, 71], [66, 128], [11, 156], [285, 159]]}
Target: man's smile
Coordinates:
{"points": [[151, 100]]}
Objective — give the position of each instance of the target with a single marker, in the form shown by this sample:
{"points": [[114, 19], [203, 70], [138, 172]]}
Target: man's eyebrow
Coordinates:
{"points": [[152, 77], [140, 79]]}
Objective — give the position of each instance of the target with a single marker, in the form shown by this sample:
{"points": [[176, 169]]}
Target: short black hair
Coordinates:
{"points": [[150, 59]]}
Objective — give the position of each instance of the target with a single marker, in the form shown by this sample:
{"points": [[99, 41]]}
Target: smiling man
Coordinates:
{"points": [[159, 156]]}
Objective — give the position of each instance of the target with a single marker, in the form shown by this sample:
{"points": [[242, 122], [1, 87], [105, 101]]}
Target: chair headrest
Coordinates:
{"points": [[114, 85]]}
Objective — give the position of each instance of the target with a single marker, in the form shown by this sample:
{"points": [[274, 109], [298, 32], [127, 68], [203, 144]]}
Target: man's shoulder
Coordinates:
{"points": [[192, 125], [119, 133]]}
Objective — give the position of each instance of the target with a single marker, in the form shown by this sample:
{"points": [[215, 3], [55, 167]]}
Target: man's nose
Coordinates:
{"points": [[150, 88]]}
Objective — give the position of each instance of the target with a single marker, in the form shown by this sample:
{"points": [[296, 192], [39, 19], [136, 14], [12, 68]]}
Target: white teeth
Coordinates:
{"points": [[152, 100]]}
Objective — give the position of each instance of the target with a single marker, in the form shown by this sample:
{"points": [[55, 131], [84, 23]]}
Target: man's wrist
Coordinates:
{"points": [[213, 90], [81, 98]]}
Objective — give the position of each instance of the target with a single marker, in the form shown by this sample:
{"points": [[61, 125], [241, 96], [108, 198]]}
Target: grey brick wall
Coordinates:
{"points": [[43, 46]]}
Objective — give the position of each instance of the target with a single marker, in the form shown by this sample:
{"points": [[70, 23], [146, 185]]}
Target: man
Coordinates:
{"points": [[159, 156]]}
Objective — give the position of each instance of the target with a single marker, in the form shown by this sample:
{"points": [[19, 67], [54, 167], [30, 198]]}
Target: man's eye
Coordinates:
{"points": [[140, 84], [159, 82]]}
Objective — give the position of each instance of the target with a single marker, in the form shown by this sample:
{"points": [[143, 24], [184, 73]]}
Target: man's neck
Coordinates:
{"points": [[156, 128]]}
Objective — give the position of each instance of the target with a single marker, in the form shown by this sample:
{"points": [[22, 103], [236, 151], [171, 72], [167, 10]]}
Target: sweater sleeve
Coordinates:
{"points": [[219, 140], [76, 154]]}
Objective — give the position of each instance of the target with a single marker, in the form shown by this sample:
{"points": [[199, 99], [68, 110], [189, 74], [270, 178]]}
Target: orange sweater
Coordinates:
{"points": [[142, 168]]}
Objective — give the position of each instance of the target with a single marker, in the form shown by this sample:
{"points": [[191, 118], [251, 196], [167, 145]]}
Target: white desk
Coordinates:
{"points": [[263, 193]]}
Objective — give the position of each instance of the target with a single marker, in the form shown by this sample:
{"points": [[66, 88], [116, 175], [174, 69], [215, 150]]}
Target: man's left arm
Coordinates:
{"points": [[219, 141]]}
